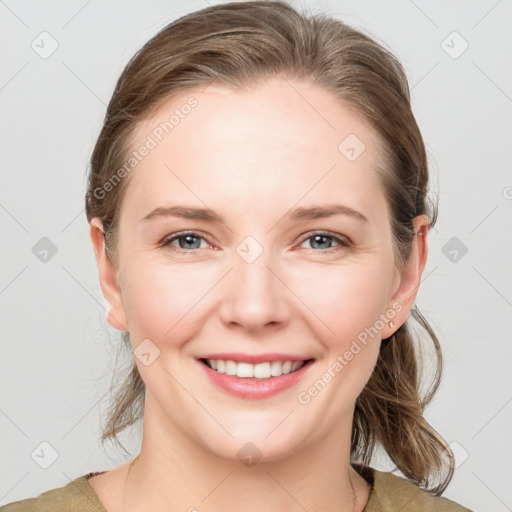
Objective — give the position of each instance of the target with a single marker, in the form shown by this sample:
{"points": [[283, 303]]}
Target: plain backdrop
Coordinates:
{"points": [[60, 61]]}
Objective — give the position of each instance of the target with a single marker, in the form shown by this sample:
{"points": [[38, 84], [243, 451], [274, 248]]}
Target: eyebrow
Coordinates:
{"points": [[186, 212], [302, 213], [318, 212]]}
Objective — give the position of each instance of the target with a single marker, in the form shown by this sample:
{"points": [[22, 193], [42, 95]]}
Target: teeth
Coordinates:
{"points": [[276, 368], [261, 371], [258, 371], [231, 368]]}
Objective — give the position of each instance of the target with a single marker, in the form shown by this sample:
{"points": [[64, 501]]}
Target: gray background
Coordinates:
{"points": [[57, 350]]}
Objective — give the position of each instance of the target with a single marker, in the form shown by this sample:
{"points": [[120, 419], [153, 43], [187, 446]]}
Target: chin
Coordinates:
{"points": [[256, 451], [256, 437]]}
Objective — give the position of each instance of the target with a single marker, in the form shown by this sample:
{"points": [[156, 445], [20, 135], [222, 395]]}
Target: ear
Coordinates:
{"points": [[408, 280], [107, 271]]}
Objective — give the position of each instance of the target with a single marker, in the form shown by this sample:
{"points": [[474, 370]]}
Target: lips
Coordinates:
{"points": [[254, 376]]}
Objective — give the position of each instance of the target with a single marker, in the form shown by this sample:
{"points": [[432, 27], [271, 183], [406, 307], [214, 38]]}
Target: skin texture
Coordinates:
{"points": [[251, 157]]}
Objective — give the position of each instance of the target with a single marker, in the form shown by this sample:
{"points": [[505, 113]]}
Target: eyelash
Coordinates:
{"points": [[342, 241]]}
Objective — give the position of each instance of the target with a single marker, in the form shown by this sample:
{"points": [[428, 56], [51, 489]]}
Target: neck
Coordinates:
{"points": [[173, 472]]}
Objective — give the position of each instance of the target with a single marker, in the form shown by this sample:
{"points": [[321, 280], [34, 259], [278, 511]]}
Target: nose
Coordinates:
{"points": [[255, 296]]}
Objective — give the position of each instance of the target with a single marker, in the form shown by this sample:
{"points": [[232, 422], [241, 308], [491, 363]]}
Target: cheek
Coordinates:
{"points": [[349, 303], [161, 300], [346, 300]]}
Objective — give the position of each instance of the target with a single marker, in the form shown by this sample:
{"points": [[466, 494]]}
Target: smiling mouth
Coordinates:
{"points": [[265, 370]]}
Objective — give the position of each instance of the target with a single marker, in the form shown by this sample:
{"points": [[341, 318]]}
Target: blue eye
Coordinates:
{"points": [[322, 238], [187, 242]]}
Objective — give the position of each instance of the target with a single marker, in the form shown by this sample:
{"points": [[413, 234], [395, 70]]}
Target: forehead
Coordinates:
{"points": [[281, 137], [291, 111]]}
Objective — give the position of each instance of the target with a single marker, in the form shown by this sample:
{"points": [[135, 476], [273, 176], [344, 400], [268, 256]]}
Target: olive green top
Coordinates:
{"points": [[389, 493]]}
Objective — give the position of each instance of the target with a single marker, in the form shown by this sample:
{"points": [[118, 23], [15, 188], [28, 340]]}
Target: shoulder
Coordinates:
{"points": [[391, 492], [76, 496]]}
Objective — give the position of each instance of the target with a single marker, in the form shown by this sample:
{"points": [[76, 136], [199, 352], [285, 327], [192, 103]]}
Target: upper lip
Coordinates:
{"points": [[255, 358]]}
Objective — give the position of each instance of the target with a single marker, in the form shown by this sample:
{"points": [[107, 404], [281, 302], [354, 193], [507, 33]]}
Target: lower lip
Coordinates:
{"points": [[255, 388]]}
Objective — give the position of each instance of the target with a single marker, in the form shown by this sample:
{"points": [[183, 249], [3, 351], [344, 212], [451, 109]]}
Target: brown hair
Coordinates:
{"points": [[239, 44]]}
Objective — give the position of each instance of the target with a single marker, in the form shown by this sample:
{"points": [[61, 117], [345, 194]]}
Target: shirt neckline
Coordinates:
{"points": [[367, 472]]}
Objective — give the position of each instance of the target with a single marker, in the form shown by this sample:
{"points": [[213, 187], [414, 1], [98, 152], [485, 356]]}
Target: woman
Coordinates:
{"points": [[258, 208]]}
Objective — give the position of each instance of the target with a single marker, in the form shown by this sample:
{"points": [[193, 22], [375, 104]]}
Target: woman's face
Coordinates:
{"points": [[251, 269]]}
